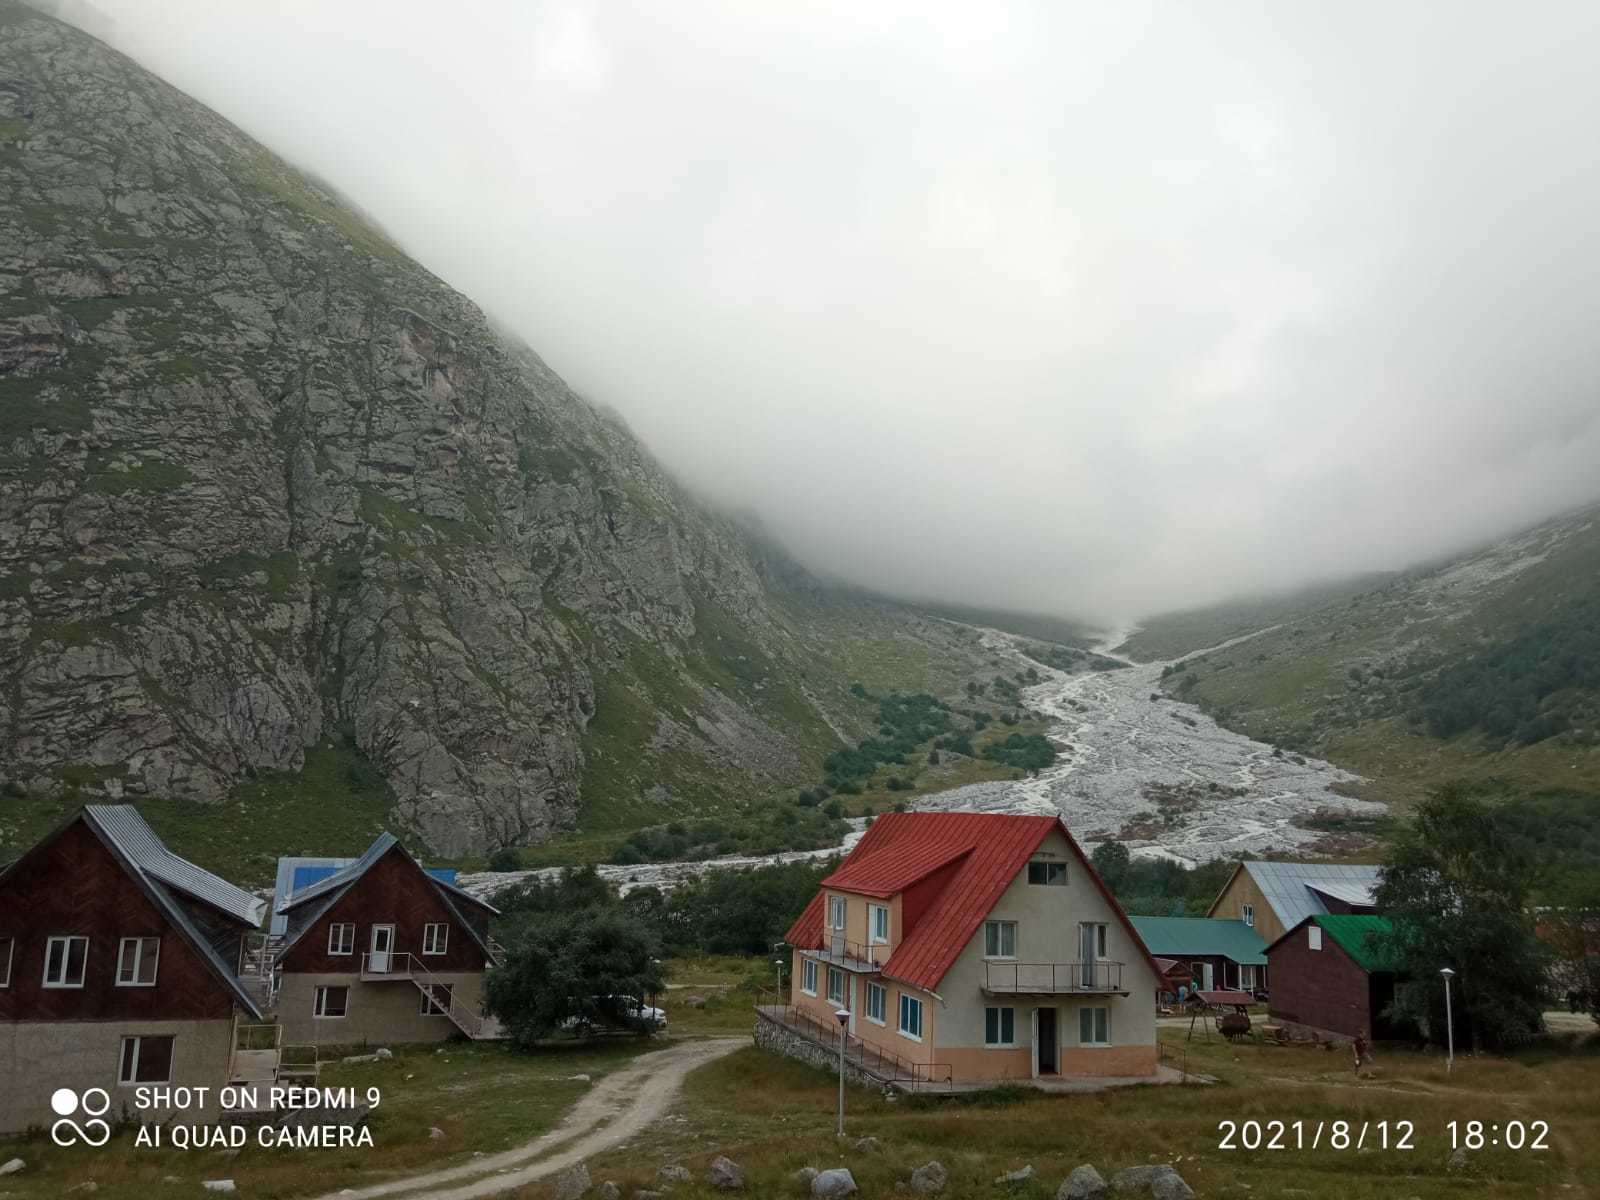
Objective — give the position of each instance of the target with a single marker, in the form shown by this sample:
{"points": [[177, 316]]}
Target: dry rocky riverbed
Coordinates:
{"points": [[1157, 773]]}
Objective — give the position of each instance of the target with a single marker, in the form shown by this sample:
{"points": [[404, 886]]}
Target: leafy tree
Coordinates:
{"points": [[1111, 861], [1571, 927], [1457, 896], [584, 967], [507, 858]]}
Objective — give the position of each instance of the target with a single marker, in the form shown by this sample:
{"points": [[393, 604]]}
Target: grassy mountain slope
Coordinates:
{"points": [[1483, 669], [295, 543]]}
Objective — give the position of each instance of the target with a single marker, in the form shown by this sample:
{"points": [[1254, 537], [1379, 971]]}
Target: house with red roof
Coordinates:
{"points": [[976, 946]]}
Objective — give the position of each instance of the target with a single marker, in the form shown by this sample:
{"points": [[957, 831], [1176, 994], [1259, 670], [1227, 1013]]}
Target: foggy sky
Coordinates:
{"points": [[1091, 309]]}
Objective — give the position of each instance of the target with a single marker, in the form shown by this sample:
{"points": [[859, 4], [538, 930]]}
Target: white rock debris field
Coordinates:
{"points": [[1158, 774]]}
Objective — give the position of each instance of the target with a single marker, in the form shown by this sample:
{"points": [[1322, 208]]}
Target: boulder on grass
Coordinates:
{"points": [[1170, 1187], [804, 1176], [867, 1145], [608, 1191], [574, 1182], [725, 1175], [1012, 1178], [929, 1178], [11, 1166], [1085, 1183], [673, 1173], [835, 1182]]}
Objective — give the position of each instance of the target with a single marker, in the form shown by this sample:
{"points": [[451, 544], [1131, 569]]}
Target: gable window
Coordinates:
{"points": [[1094, 1027], [331, 1002], [64, 961], [877, 1003], [435, 937], [7, 945], [1314, 936], [136, 962], [999, 939], [837, 909], [910, 1017], [436, 1000], [878, 922], [808, 976], [999, 1027], [1247, 913], [341, 939], [1053, 874], [835, 985], [146, 1060]]}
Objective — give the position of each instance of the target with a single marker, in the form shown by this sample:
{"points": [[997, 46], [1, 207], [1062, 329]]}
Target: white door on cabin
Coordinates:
{"points": [[380, 960]]}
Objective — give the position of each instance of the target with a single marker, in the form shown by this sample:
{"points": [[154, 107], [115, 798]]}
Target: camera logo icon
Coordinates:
{"points": [[95, 1103]]}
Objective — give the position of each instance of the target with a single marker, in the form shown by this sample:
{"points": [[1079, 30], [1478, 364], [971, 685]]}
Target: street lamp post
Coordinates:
{"points": [[842, 1016], [1449, 1023]]}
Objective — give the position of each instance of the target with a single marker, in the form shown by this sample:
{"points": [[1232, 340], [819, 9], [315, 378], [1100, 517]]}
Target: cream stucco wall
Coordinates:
{"points": [[36, 1058], [379, 1013], [1047, 918]]}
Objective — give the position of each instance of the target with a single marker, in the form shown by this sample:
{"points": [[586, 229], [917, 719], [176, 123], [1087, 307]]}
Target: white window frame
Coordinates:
{"points": [[1001, 1042], [877, 914], [138, 946], [876, 991], [838, 912], [1057, 869], [1085, 1011], [138, 1041], [808, 976], [1247, 913], [429, 1006], [836, 997], [437, 935], [1314, 936], [8, 945], [1247, 977], [999, 928], [341, 939], [319, 1001], [909, 1003], [66, 959]]}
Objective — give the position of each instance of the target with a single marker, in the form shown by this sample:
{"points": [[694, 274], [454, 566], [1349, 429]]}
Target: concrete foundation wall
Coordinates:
{"points": [[387, 1012], [776, 1038], [36, 1058]]}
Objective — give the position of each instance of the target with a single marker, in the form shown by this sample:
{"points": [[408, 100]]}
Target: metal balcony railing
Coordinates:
{"points": [[855, 956], [1003, 977]]}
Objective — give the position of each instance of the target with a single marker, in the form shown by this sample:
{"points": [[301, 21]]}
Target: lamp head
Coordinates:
{"points": [[841, 1015], [1446, 972]]}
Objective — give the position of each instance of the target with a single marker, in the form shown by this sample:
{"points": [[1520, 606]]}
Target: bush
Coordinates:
{"points": [[507, 858]]}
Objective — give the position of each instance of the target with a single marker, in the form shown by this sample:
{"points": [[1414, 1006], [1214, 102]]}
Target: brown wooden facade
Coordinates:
{"points": [[393, 891], [1325, 990], [73, 885]]}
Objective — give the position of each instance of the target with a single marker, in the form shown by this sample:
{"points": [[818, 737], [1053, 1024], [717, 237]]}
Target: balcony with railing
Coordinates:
{"points": [[1096, 977], [862, 957]]}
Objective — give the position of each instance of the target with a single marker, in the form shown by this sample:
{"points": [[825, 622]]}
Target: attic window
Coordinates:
{"points": [[1049, 873], [1314, 936], [1247, 913], [836, 911]]}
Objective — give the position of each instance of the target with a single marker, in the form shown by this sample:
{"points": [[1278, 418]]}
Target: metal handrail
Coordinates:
{"points": [[873, 954], [1092, 975], [402, 964], [857, 1051]]}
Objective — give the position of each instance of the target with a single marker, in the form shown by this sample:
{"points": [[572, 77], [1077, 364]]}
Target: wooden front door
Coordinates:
{"points": [[1044, 1040]]}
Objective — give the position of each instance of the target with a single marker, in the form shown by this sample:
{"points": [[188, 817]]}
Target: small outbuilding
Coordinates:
{"points": [[1330, 977], [1215, 953]]}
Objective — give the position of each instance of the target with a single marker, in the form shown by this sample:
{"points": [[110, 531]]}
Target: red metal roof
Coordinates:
{"points": [[992, 848], [894, 868]]}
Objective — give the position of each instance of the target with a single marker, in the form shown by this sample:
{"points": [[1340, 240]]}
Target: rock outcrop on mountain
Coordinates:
{"points": [[266, 483]]}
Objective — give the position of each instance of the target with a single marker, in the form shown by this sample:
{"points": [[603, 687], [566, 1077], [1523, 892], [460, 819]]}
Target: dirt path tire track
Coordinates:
{"points": [[619, 1107]]}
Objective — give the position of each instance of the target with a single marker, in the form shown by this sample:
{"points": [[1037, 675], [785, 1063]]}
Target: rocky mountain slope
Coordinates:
{"points": [[1484, 669], [271, 494]]}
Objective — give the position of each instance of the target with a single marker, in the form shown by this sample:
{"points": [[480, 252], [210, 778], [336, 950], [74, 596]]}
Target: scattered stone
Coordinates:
{"points": [[608, 1191], [578, 1078], [1085, 1183], [835, 1182], [218, 1185], [725, 1174], [673, 1173], [929, 1178], [12, 1166], [804, 1176], [384, 1052], [695, 1001], [1457, 1160], [1170, 1187], [573, 1183], [867, 1145], [1011, 1178], [1137, 1179], [435, 1133]]}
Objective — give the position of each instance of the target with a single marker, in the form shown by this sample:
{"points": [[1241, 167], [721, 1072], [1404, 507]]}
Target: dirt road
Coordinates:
{"points": [[620, 1106]]}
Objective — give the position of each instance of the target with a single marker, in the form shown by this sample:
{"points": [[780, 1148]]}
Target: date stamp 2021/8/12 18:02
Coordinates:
{"points": [[1377, 1135]]}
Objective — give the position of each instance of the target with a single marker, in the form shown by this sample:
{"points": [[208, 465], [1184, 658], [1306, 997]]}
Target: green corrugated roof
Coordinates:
{"points": [[1351, 931], [1180, 937]]}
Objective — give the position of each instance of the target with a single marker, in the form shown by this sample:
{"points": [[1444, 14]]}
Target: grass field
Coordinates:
{"points": [[483, 1097], [774, 1116]]}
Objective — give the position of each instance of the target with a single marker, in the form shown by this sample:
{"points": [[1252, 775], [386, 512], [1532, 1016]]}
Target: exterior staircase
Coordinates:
{"points": [[402, 965], [258, 968]]}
